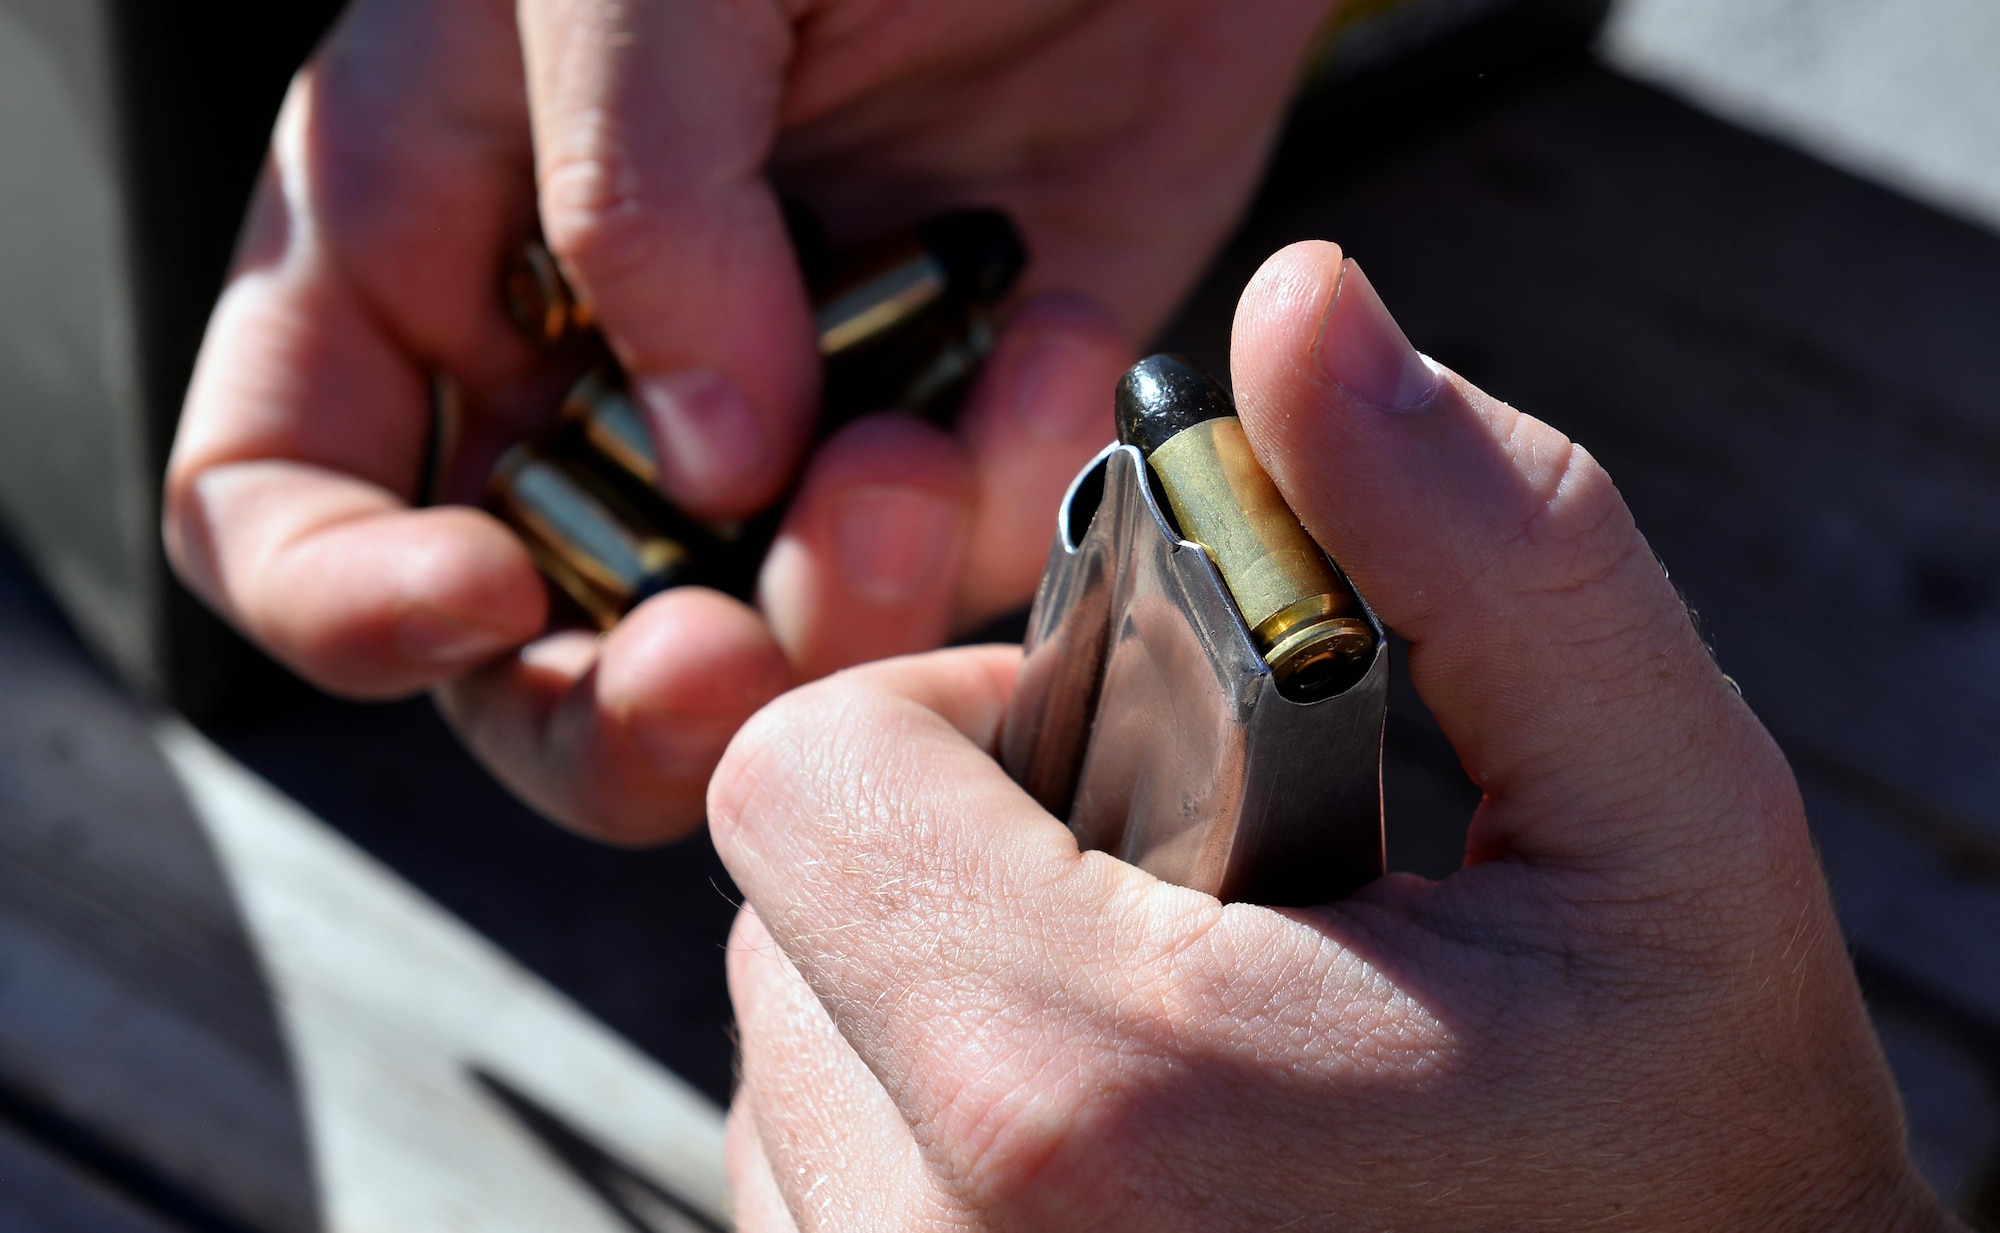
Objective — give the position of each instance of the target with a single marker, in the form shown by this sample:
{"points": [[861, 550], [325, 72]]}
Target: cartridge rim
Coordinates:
{"points": [[1321, 658]]}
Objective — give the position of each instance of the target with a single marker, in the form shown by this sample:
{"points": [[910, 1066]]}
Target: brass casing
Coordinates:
{"points": [[538, 299], [612, 425], [580, 533], [902, 325], [1302, 615], [879, 300]]}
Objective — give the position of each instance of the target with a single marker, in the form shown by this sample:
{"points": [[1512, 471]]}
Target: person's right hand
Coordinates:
{"points": [[1631, 1009], [422, 145]]}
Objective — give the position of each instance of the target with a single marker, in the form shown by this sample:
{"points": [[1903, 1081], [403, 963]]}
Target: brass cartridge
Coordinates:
{"points": [[902, 325], [612, 425], [538, 300], [881, 299], [583, 535], [1303, 617]]}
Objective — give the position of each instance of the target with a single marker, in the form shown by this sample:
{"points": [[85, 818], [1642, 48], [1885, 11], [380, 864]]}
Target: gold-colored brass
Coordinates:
{"points": [[902, 325], [613, 425], [879, 301], [1301, 614], [538, 300], [578, 534]]}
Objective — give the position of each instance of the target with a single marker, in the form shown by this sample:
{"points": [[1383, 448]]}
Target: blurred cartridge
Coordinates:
{"points": [[903, 325], [538, 300], [1303, 617], [582, 536], [582, 497]]}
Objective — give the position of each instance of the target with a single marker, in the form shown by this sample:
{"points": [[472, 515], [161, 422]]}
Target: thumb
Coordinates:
{"points": [[652, 123], [1543, 632]]}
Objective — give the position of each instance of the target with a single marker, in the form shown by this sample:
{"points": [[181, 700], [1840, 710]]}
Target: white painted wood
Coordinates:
{"points": [[390, 1005], [1903, 91]]}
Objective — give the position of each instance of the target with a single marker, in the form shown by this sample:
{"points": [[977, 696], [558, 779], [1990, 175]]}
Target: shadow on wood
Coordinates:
{"points": [[138, 1033], [636, 1199]]}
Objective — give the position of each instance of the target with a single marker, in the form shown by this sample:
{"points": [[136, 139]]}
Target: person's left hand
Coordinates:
{"points": [[649, 142]]}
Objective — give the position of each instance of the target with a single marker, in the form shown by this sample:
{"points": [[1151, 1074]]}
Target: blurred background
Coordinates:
{"points": [[271, 962]]}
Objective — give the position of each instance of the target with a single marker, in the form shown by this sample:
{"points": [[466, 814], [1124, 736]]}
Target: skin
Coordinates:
{"points": [[1630, 1009], [644, 138]]}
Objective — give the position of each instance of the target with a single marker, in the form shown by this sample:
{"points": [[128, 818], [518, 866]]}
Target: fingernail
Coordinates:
{"points": [[433, 638], [706, 432], [1056, 387], [1362, 349], [895, 542]]}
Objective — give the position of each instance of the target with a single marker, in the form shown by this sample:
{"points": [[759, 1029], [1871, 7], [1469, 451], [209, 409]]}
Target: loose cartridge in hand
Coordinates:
{"points": [[903, 326]]}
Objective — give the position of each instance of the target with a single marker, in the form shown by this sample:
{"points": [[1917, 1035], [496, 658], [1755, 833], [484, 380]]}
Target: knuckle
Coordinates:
{"points": [[1581, 535], [770, 755], [597, 214], [1002, 1128], [350, 155], [1580, 562]]}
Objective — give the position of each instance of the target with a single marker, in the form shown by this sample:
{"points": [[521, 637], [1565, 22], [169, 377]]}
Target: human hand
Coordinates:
{"points": [[1631, 1009], [422, 145]]}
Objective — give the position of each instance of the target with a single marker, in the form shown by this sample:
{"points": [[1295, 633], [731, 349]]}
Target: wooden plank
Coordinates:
{"points": [[1899, 90], [401, 1021], [133, 1004], [198, 976]]}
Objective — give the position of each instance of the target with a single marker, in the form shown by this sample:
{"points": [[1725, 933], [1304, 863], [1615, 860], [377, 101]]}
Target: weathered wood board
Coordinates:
{"points": [[227, 1012]]}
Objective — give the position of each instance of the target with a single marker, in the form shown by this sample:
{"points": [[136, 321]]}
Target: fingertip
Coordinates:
{"points": [[672, 684], [1281, 311], [720, 455], [473, 569], [692, 655], [758, 760], [867, 561], [355, 592], [615, 736], [454, 589], [1289, 295], [699, 296], [1050, 378]]}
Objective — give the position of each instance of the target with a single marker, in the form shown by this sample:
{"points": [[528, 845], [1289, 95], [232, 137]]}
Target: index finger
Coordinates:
{"points": [[652, 126]]}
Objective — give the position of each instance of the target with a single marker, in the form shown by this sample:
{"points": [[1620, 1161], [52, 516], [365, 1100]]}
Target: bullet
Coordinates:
{"points": [[902, 325], [583, 535], [1303, 617]]}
